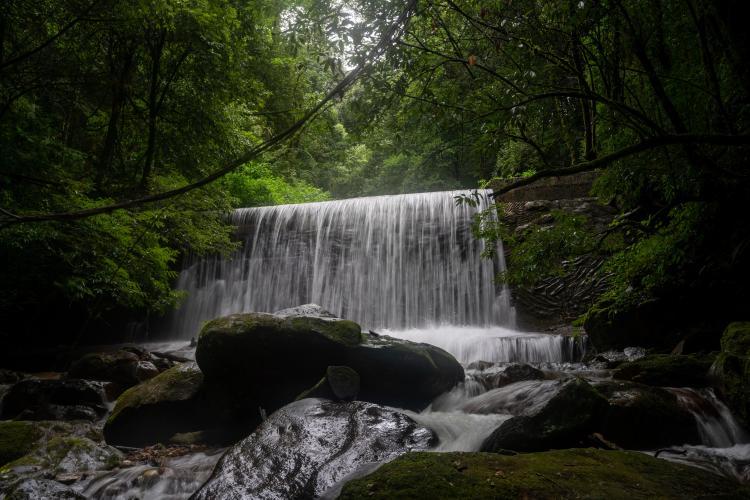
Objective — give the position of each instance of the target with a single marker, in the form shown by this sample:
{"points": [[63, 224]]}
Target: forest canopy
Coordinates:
{"points": [[104, 101]]}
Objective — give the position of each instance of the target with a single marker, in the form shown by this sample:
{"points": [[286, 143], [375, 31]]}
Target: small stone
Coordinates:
{"points": [[68, 478]]}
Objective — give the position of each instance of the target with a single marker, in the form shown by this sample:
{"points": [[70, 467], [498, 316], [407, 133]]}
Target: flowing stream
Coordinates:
{"points": [[409, 267]]}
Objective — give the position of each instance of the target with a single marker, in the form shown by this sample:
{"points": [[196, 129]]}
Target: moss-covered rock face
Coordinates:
{"points": [[577, 473], [172, 402], [267, 360], [17, 439], [40, 450], [732, 368], [667, 370], [563, 422]]}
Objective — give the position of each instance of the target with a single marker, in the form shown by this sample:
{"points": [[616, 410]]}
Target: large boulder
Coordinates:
{"points": [[172, 402], [732, 368], [641, 417], [306, 447], [561, 474], [71, 399], [267, 360], [667, 370], [564, 421]]}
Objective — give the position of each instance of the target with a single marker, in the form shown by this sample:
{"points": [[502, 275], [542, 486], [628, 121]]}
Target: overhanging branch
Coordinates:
{"points": [[645, 145], [389, 37]]}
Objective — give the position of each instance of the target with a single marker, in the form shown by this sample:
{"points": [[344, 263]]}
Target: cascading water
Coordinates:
{"points": [[397, 262]]}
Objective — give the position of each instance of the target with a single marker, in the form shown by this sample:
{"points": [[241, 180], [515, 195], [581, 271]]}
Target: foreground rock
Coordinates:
{"points": [[304, 448], [39, 459], [577, 473], [666, 370], [733, 368], [172, 402], [34, 399], [267, 360], [565, 421]]}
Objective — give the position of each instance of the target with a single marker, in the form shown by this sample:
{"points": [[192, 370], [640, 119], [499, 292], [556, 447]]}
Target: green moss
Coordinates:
{"points": [[733, 367], [736, 339], [667, 370], [17, 439], [578, 473], [342, 331], [176, 384]]}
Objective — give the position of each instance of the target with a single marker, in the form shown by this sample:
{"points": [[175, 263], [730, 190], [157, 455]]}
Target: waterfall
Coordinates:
{"points": [[397, 262]]}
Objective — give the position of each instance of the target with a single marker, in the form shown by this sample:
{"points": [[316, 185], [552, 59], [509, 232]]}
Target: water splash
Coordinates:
{"points": [[398, 262], [176, 479], [498, 344], [717, 426]]}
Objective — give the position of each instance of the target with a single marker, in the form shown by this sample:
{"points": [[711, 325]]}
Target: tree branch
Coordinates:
{"points": [[604, 161], [389, 37], [50, 40]]}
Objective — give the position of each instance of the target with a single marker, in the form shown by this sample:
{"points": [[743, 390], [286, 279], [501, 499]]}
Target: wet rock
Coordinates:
{"points": [[667, 370], [307, 446], [340, 383], [126, 367], [480, 365], [36, 489], [575, 473], [732, 368], [170, 403], [313, 310], [508, 374], [241, 354], [344, 382], [41, 450], [640, 417], [34, 399], [563, 422]]}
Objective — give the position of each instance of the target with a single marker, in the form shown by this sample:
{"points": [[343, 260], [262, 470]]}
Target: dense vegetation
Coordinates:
{"points": [[102, 102]]}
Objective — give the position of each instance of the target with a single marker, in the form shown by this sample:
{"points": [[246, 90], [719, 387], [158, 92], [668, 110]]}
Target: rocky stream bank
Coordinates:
{"points": [[299, 404]]}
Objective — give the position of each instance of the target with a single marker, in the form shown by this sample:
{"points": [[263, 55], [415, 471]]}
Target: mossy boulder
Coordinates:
{"points": [[172, 402], [403, 374], [732, 368], [565, 421], [667, 370], [17, 438], [267, 360], [39, 450], [561, 474], [640, 417]]}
